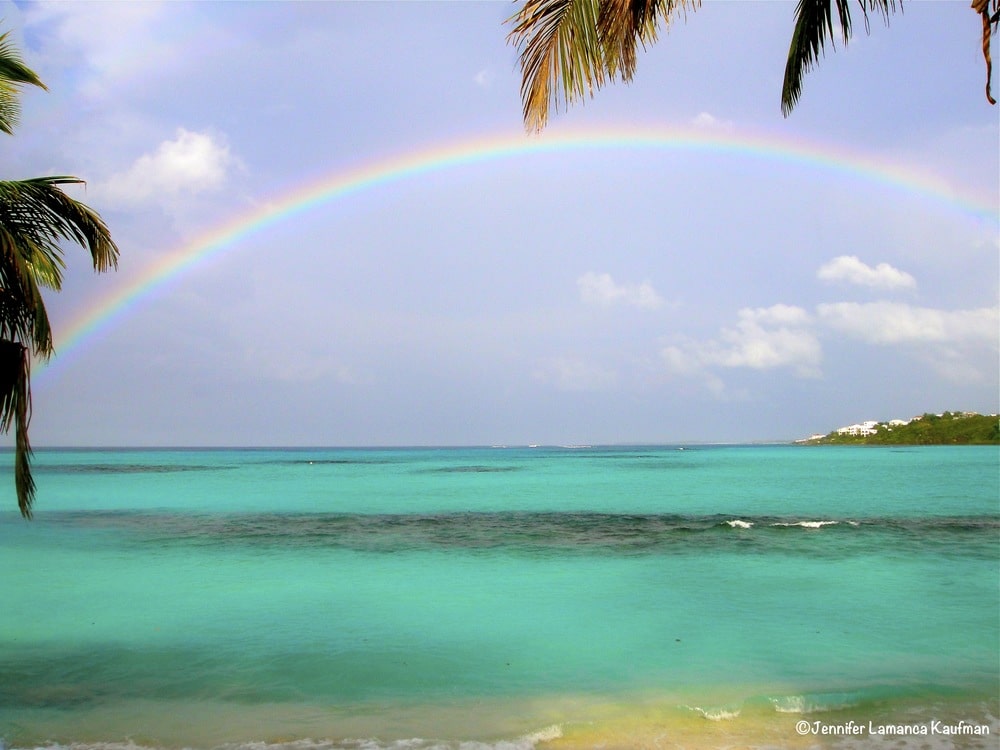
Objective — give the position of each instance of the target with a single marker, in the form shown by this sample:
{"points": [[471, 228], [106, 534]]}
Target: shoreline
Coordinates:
{"points": [[706, 719]]}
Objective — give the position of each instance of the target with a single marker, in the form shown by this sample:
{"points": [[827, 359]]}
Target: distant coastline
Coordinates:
{"points": [[947, 428]]}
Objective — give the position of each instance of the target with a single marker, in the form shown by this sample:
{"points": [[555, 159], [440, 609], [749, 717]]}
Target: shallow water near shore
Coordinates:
{"points": [[502, 598]]}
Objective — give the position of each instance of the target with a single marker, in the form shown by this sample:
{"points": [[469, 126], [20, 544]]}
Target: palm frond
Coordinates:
{"points": [[23, 316], [570, 48], [625, 24], [13, 72], [15, 410], [813, 27], [558, 44], [36, 217], [38, 211], [622, 26], [990, 23]]}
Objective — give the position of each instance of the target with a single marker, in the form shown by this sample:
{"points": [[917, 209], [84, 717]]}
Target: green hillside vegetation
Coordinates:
{"points": [[950, 428]]}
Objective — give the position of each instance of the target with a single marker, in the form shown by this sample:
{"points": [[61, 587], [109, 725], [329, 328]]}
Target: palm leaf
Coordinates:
{"points": [[624, 24], [40, 213], [813, 27], [990, 23], [13, 72], [558, 43], [22, 310], [36, 216]]}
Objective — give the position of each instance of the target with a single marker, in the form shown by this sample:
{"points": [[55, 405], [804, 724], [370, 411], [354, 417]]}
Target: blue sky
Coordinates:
{"points": [[592, 296]]}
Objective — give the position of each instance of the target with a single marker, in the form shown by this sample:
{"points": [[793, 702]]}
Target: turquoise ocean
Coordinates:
{"points": [[504, 599]]}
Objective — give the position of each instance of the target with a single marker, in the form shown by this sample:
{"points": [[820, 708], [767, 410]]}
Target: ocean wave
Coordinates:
{"points": [[809, 703], [528, 741], [543, 532], [715, 714]]}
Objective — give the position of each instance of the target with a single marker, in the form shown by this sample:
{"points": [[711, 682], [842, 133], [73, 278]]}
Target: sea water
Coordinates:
{"points": [[515, 598]]}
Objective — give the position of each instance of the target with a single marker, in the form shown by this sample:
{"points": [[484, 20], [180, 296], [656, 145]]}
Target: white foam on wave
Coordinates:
{"points": [[548, 734], [802, 704], [738, 523], [715, 714], [807, 524], [789, 704], [528, 741]]}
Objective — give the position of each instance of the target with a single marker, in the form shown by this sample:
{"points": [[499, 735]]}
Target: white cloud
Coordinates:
{"points": [[111, 42], [851, 269], [601, 289], [191, 163], [950, 342], [762, 339], [684, 359], [706, 121], [956, 366], [484, 78], [775, 315], [765, 338], [895, 323], [569, 374]]}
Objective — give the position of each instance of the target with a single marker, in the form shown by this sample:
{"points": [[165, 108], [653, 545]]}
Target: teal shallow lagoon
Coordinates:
{"points": [[612, 597]]}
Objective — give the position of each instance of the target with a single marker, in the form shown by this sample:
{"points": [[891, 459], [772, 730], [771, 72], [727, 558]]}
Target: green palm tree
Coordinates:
{"points": [[570, 48], [36, 216]]}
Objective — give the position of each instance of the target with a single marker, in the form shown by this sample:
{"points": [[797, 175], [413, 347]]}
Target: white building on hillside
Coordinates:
{"points": [[865, 428]]}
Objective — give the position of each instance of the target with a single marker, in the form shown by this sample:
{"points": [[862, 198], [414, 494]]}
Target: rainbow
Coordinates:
{"points": [[344, 182]]}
